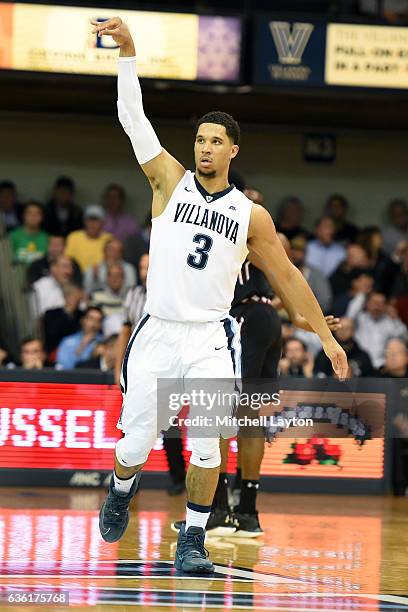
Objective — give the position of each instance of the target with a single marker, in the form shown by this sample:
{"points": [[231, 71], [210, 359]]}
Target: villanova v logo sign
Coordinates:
{"points": [[290, 45]]}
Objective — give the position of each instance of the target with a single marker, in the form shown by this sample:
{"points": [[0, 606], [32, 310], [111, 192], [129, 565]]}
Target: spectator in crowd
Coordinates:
{"points": [[41, 267], [80, 346], [32, 354], [362, 283], [309, 339], [117, 222], [317, 281], [29, 242], [110, 298], [253, 193], [103, 357], [356, 257], [384, 270], [10, 210], [65, 321], [394, 11], [396, 359], [358, 360], [296, 360], [374, 327], [289, 218], [397, 231], [138, 244], [49, 290], [62, 215], [337, 208], [3, 357], [95, 277], [399, 291], [86, 246], [323, 253]]}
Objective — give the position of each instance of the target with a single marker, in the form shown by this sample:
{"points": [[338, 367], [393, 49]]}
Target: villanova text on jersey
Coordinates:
{"points": [[213, 220]]}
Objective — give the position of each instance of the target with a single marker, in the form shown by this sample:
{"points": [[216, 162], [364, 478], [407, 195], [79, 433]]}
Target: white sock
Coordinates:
{"points": [[197, 519], [123, 486]]}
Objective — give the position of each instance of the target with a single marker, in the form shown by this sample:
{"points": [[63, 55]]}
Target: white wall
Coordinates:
{"points": [[370, 168]]}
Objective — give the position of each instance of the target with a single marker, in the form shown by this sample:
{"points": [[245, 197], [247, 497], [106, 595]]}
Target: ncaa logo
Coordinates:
{"points": [[290, 42]]}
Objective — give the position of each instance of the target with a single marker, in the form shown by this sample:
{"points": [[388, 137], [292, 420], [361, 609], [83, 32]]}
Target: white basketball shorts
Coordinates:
{"points": [[161, 349]]}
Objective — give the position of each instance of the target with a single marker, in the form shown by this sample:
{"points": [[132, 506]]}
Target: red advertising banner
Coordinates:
{"points": [[73, 427]]}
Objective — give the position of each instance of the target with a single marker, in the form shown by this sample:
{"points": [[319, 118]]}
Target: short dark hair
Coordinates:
{"points": [[220, 118], [358, 272], [29, 339], [66, 182], [93, 308], [340, 198], [294, 339], [284, 204], [7, 185], [118, 188], [35, 203], [397, 203]]}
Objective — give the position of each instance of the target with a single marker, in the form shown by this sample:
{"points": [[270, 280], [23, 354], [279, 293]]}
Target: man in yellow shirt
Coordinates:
{"points": [[86, 246]]}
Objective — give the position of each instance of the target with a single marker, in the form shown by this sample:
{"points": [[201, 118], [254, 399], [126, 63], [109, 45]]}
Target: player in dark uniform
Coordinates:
{"points": [[261, 350]]}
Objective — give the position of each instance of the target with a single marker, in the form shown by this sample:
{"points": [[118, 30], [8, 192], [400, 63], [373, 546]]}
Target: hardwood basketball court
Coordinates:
{"points": [[318, 553]]}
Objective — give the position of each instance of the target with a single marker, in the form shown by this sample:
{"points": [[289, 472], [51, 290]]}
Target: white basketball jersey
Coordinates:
{"points": [[197, 247]]}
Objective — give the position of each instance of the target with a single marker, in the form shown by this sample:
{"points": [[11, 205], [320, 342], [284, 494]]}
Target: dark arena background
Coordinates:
{"points": [[320, 90]]}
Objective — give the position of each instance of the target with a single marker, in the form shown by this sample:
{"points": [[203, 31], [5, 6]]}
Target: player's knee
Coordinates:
{"points": [[131, 451], [206, 452]]}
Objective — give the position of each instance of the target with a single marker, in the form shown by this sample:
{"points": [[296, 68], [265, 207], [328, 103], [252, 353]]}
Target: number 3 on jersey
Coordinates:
{"points": [[199, 259]]}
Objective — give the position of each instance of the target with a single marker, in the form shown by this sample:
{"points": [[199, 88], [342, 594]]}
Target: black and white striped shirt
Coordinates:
{"points": [[133, 305]]}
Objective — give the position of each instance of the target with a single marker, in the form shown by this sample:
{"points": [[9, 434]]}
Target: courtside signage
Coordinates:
{"points": [[61, 426], [43, 38]]}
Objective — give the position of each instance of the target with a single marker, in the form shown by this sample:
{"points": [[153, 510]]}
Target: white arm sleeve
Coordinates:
{"points": [[131, 115]]}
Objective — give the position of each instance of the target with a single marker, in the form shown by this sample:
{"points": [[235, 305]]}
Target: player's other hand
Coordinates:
{"points": [[333, 323], [114, 27], [337, 357]]}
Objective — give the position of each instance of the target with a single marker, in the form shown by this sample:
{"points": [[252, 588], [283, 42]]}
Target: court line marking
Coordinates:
{"points": [[238, 573], [111, 576]]}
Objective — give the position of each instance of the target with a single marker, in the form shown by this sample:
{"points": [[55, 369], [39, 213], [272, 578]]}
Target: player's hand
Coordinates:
{"points": [[299, 321], [337, 357], [333, 323], [114, 27]]}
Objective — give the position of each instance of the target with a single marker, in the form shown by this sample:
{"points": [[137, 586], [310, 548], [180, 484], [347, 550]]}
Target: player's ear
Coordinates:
{"points": [[234, 151]]}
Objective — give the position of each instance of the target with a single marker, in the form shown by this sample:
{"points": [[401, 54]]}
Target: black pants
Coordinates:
{"points": [[261, 340], [173, 446]]}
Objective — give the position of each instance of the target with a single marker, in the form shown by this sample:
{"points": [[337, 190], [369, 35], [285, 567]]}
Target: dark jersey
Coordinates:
{"points": [[251, 281]]}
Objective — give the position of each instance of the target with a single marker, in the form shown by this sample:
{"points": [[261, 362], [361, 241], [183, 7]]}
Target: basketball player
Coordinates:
{"points": [[202, 231]]}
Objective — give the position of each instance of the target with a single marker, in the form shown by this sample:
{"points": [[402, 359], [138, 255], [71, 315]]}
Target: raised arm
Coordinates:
{"points": [[161, 169], [267, 253]]}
